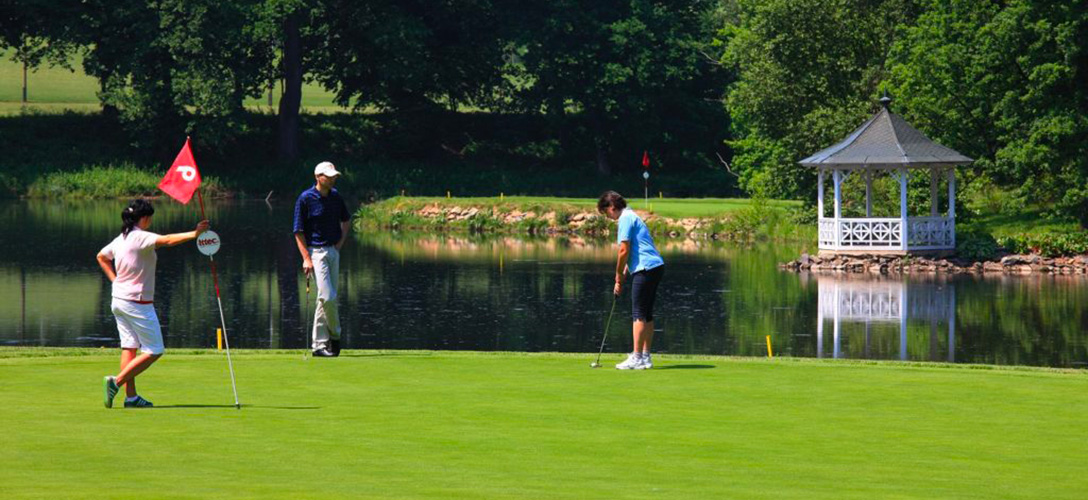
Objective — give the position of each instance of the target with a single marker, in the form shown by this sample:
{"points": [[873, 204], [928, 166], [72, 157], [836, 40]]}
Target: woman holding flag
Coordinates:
{"points": [[129, 263]]}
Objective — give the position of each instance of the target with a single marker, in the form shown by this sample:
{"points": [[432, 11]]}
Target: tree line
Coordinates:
{"points": [[748, 86]]}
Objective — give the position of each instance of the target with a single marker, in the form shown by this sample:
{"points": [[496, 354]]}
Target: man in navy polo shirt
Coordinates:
{"points": [[321, 227]]}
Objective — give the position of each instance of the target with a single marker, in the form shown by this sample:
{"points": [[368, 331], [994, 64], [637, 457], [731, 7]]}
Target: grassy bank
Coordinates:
{"points": [[740, 219], [507, 425], [110, 182]]}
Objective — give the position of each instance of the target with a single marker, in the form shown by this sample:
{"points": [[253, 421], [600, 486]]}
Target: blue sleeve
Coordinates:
{"points": [[300, 216], [625, 228]]}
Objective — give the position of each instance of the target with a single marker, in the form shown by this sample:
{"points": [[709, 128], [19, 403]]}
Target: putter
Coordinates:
{"points": [[597, 364], [305, 336]]}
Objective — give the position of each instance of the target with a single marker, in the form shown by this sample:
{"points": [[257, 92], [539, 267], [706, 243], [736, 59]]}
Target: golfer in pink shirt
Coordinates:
{"points": [[129, 262]]}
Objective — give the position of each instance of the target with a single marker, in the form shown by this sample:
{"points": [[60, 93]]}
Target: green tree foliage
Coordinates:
{"points": [[638, 74], [808, 72], [1005, 83], [409, 53], [174, 66]]}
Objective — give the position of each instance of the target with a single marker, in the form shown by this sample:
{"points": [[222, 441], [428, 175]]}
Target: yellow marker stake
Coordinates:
{"points": [[502, 196], [660, 196], [769, 353], [219, 338], [447, 195]]}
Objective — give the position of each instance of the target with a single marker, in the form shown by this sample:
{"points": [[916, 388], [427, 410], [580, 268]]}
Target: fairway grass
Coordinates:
{"points": [[506, 425]]}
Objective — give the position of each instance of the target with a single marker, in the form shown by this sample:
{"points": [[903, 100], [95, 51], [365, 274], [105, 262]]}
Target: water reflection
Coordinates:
{"points": [[438, 291], [886, 304]]}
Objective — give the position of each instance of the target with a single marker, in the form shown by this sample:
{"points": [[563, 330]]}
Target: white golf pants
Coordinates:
{"points": [[327, 276]]}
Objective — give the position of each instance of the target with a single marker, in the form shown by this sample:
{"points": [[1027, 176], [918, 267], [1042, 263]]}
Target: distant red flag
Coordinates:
{"points": [[183, 178], [645, 159]]}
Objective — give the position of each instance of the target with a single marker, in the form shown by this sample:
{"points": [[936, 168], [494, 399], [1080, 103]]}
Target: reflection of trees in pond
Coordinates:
{"points": [[510, 284], [494, 292], [29, 306], [1037, 320], [487, 248]]}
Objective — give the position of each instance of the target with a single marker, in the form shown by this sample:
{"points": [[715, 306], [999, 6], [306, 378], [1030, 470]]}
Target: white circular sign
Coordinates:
{"points": [[645, 175], [208, 242]]}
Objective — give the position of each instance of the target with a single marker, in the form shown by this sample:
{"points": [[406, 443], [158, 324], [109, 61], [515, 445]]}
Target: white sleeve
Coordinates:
{"points": [[146, 240], [108, 250]]}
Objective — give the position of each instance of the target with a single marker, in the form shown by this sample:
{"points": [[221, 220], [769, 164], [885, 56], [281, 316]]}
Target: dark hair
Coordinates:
{"points": [[611, 199], [136, 210]]}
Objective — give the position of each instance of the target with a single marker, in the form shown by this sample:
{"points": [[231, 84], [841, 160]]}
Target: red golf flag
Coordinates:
{"points": [[645, 159], [183, 178]]}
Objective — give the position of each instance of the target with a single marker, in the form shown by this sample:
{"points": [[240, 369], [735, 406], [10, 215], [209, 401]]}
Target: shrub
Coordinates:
{"points": [[483, 223], [1050, 244], [976, 246], [531, 225], [596, 224]]}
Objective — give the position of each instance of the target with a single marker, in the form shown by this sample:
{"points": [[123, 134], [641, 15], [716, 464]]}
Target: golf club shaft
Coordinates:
{"points": [[607, 325], [306, 337]]}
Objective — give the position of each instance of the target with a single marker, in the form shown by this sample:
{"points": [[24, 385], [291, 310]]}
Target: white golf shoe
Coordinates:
{"points": [[631, 363], [645, 362]]}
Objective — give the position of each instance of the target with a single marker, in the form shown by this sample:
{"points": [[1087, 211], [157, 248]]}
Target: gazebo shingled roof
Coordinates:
{"points": [[886, 140]]}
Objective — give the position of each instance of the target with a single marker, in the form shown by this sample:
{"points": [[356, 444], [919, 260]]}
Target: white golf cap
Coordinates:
{"points": [[326, 168]]}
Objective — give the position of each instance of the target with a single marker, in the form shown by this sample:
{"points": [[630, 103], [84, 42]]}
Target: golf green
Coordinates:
{"points": [[507, 425]]}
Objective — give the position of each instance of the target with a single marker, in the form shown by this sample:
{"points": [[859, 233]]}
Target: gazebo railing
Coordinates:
{"points": [[923, 233], [931, 233], [870, 233]]}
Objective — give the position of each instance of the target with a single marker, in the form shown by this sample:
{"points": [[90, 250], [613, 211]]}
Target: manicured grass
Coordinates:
{"points": [[667, 207], [1029, 221], [506, 425], [55, 89]]}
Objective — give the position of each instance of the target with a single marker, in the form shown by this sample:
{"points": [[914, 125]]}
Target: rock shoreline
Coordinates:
{"points": [[888, 264], [553, 222]]}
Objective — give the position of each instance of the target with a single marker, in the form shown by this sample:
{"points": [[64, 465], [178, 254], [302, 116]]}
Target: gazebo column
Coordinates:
{"points": [[868, 193], [952, 202], [836, 178], [933, 196], [820, 193], [904, 224], [952, 193]]}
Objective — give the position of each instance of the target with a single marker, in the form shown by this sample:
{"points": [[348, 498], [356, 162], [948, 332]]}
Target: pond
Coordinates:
{"points": [[444, 291]]}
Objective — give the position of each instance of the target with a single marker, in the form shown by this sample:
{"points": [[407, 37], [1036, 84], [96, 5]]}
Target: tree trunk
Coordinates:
{"points": [[292, 91], [603, 167]]}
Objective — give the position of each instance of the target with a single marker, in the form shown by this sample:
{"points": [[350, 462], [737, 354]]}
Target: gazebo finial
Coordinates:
{"points": [[886, 100]]}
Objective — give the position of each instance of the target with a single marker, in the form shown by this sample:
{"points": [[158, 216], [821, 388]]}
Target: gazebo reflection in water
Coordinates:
{"points": [[883, 304]]}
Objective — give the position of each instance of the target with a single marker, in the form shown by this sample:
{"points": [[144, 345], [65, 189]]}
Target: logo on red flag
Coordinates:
{"points": [[183, 178], [645, 159]]}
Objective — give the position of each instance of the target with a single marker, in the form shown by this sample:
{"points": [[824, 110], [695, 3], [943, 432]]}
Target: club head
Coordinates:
{"points": [[594, 365]]}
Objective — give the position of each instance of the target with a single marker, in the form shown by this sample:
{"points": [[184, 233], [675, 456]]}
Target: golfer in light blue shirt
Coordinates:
{"points": [[639, 257]]}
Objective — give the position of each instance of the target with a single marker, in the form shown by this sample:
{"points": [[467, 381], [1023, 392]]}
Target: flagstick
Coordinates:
{"points": [[222, 319]]}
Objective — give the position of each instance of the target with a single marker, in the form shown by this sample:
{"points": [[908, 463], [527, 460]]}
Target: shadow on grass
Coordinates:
{"points": [[685, 367], [243, 406]]}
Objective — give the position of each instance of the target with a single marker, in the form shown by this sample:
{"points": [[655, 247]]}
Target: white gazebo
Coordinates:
{"points": [[887, 144]]}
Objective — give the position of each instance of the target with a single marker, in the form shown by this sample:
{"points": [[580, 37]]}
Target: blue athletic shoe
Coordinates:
{"points": [[139, 402], [109, 386]]}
